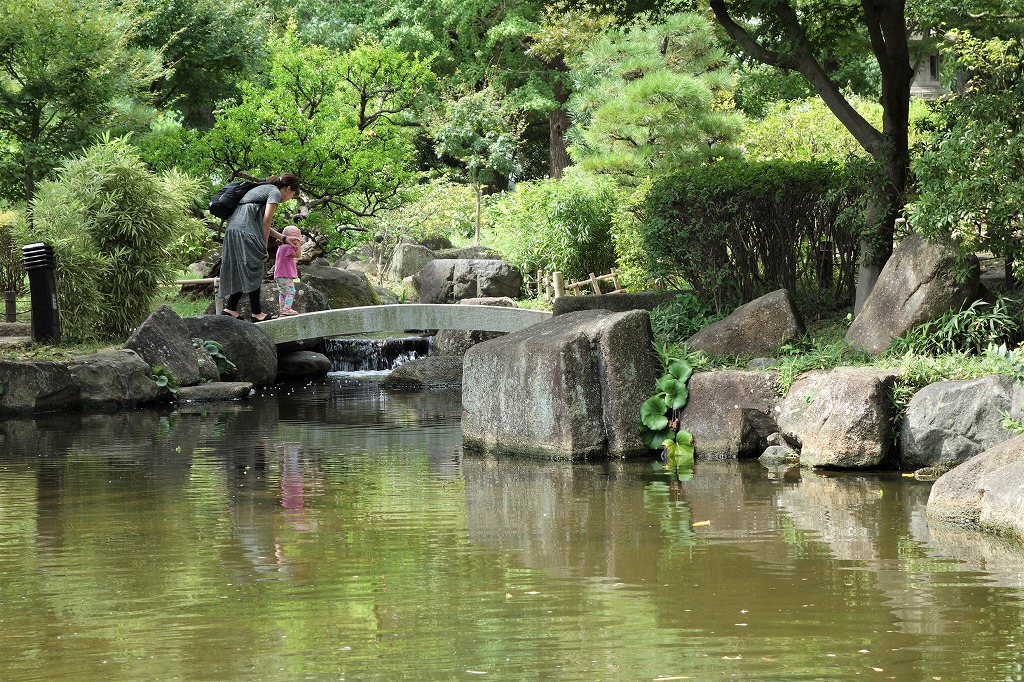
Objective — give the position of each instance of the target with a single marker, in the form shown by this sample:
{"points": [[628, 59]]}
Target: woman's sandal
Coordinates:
{"points": [[267, 316], [229, 314]]}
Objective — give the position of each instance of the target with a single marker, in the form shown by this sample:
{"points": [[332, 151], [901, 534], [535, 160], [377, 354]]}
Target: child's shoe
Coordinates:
{"points": [[288, 310]]}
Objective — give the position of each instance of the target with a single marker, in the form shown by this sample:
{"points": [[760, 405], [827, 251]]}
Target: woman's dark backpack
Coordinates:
{"points": [[224, 200]]}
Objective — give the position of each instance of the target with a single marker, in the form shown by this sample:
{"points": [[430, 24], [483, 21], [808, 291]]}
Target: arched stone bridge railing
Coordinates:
{"points": [[377, 319]]}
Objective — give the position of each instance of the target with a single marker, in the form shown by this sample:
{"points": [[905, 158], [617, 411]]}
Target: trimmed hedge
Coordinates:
{"points": [[735, 230]]}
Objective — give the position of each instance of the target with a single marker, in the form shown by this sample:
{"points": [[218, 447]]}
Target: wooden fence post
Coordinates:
{"points": [[10, 306], [558, 284]]}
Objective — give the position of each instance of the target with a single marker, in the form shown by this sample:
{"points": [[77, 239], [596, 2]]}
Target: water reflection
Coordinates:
{"points": [[332, 530]]}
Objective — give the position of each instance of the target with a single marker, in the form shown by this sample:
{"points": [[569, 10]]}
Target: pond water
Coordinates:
{"points": [[329, 531]]}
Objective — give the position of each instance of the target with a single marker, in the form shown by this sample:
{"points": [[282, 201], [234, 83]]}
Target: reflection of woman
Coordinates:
{"points": [[243, 258]]}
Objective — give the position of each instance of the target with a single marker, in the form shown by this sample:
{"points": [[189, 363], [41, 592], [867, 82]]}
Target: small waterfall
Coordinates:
{"points": [[374, 355]]}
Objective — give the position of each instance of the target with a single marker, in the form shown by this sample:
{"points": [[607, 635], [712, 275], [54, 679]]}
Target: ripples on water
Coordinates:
{"points": [[333, 531]]}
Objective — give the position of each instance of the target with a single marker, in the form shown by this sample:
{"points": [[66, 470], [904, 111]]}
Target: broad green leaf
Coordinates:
{"points": [[652, 413], [681, 370], [678, 401]]}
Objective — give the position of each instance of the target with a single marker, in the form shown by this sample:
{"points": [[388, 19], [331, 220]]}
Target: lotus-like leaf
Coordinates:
{"points": [[678, 401], [667, 384], [652, 413], [655, 440], [681, 370]]}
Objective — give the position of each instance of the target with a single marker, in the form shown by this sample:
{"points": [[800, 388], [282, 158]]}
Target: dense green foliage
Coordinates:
{"points": [[67, 72], [206, 48], [112, 224], [734, 231], [650, 98], [969, 173], [562, 225]]}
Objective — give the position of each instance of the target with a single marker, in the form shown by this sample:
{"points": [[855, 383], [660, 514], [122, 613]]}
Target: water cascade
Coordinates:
{"points": [[374, 355]]}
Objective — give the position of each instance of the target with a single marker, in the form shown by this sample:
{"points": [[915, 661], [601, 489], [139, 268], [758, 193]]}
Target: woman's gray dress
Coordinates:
{"points": [[243, 258]]}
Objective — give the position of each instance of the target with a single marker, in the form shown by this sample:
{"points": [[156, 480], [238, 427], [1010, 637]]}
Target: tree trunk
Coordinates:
{"points": [[558, 120], [558, 123]]}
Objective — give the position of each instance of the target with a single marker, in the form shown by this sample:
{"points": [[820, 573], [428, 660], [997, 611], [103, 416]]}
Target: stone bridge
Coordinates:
{"points": [[377, 319]]}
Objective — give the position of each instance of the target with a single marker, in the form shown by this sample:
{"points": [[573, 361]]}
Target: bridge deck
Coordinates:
{"points": [[377, 319]]}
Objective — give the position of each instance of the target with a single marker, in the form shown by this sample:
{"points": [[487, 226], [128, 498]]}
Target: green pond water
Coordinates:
{"points": [[331, 531]]}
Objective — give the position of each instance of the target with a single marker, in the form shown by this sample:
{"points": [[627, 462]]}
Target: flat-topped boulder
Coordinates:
{"points": [[37, 386], [114, 377], [449, 280], [730, 413], [568, 388], [214, 391]]}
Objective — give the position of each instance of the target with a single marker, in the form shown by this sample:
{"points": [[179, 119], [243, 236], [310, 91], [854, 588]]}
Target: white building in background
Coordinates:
{"points": [[926, 83]]}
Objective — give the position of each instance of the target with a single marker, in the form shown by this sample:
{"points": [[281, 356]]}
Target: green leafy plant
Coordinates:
{"points": [[971, 330], [659, 416], [216, 351], [112, 224], [164, 379]]}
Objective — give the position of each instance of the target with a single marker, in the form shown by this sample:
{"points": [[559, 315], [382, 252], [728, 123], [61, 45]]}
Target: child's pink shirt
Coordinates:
{"points": [[284, 262]]}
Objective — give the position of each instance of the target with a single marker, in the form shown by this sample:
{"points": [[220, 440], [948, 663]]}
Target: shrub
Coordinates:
{"points": [[112, 224], [562, 225], [970, 330], [733, 231], [12, 270]]}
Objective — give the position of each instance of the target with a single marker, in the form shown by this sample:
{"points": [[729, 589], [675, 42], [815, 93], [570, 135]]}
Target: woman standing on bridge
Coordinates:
{"points": [[244, 255]]}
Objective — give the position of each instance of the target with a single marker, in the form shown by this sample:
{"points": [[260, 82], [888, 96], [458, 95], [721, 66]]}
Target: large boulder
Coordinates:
{"points": [[342, 288], [917, 284], [757, 328], [37, 386], [451, 280], [243, 343], [984, 492], [948, 422], [114, 377], [429, 372], [618, 303], [842, 418], [567, 388], [458, 341], [302, 364], [408, 259], [472, 252], [729, 413], [163, 339]]}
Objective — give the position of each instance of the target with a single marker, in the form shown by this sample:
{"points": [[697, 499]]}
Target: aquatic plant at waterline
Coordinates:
{"points": [[164, 379], [216, 351], [659, 416]]}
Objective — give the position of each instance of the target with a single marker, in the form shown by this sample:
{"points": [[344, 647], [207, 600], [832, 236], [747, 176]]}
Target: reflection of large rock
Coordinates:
{"points": [[949, 422], [756, 328], [570, 387], [985, 492], [342, 288], [451, 280], [843, 419], [243, 343], [730, 412], [917, 284]]}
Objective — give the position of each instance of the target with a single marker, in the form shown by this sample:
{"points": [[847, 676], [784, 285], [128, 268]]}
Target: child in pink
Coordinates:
{"points": [[285, 269]]}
